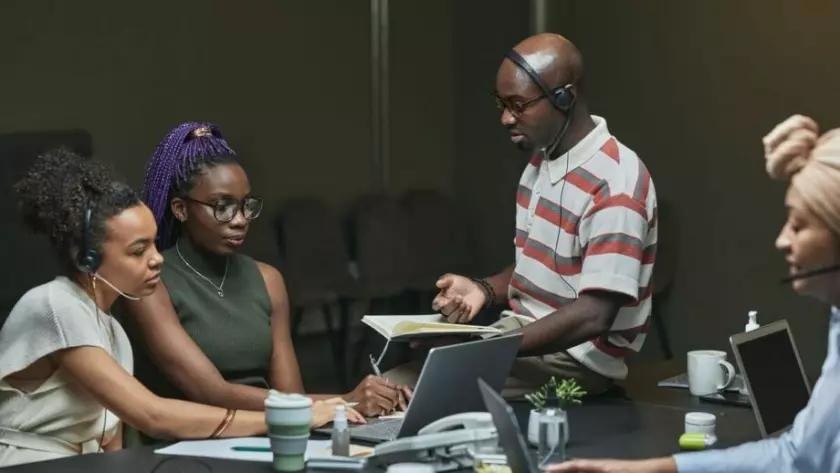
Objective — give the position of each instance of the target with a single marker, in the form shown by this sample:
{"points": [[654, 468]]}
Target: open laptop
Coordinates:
{"points": [[447, 385], [773, 375], [511, 440], [681, 381]]}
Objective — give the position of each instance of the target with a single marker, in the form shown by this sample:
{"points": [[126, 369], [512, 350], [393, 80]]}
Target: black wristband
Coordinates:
{"points": [[487, 288]]}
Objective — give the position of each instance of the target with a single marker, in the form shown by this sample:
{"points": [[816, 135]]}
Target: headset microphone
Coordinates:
{"points": [[558, 138], [809, 274], [127, 296]]}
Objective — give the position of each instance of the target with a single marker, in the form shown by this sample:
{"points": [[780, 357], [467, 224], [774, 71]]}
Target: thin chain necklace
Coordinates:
{"points": [[220, 288]]}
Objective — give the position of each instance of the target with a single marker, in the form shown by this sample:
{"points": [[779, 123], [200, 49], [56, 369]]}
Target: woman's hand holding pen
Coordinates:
{"points": [[376, 396]]}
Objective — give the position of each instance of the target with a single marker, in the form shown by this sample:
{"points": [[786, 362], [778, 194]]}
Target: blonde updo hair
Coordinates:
{"points": [[794, 150]]}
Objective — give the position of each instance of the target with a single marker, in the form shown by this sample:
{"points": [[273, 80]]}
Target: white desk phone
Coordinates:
{"points": [[450, 443]]}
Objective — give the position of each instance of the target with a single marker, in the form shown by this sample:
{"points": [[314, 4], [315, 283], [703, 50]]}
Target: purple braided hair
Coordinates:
{"points": [[186, 152]]}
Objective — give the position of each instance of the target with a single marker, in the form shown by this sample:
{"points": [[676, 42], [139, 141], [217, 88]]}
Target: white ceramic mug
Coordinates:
{"points": [[709, 372]]}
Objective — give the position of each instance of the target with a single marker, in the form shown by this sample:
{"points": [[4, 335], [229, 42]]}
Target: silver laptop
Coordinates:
{"points": [[773, 375], [507, 427], [447, 385]]}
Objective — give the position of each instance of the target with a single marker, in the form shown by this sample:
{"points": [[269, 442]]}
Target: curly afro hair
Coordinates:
{"points": [[54, 193]]}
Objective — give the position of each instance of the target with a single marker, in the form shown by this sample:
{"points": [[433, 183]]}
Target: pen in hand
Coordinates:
{"points": [[378, 373], [374, 366]]}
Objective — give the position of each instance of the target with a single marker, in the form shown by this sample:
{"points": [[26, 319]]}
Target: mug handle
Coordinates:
{"points": [[730, 374]]}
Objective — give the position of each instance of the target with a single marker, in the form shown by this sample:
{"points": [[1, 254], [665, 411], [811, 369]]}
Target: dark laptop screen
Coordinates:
{"points": [[776, 380], [507, 428]]}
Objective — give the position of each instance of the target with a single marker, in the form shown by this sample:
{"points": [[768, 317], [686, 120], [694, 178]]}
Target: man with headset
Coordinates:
{"points": [[586, 231]]}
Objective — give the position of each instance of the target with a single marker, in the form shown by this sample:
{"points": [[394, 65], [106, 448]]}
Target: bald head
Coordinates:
{"points": [[528, 112], [555, 58]]}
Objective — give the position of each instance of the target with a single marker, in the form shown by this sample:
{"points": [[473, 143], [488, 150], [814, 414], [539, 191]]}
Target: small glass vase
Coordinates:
{"points": [[533, 427]]}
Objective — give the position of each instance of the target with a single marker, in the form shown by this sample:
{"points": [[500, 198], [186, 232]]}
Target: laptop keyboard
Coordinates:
{"points": [[386, 430], [681, 381]]}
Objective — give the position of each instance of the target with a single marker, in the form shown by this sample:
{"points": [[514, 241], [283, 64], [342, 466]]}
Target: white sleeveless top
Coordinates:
{"points": [[57, 419]]}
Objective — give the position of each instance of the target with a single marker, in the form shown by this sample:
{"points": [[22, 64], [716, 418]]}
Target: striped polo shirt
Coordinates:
{"points": [[587, 221]]}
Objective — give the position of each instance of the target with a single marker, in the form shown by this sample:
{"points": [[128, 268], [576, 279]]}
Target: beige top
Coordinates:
{"points": [[56, 419]]}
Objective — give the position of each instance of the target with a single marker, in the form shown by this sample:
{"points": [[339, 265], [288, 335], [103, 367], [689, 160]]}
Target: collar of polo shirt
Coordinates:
{"points": [[581, 152]]}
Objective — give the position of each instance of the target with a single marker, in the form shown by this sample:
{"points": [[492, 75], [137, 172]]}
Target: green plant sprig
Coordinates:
{"points": [[568, 394]]}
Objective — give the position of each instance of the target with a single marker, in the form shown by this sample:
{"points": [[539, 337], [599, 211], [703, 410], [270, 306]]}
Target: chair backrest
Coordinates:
{"points": [[312, 248], [667, 248], [436, 247], [380, 228]]}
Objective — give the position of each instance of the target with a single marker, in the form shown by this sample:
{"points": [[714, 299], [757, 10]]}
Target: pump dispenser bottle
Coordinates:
{"points": [[340, 433], [752, 323]]}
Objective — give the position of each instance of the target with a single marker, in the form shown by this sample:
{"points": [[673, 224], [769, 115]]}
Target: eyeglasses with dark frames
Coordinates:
{"points": [[515, 107], [225, 210]]}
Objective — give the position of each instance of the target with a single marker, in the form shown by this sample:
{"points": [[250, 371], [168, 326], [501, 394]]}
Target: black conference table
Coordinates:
{"points": [[613, 427]]}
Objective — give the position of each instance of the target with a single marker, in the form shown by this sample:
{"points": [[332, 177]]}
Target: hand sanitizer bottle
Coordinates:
{"points": [[340, 433], [752, 324]]}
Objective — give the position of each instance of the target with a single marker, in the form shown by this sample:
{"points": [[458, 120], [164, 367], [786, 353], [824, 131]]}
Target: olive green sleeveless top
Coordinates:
{"points": [[231, 328]]}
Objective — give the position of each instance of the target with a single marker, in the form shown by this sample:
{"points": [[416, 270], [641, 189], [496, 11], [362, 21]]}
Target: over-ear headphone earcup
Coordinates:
{"points": [[89, 261], [564, 99]]}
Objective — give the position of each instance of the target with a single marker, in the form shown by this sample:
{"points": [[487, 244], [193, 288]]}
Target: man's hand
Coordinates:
{"points": [[377, 396], [658, 465], [459, 299]]}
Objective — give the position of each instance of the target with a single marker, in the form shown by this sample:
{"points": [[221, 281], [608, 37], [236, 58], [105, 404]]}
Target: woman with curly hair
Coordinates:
{"points": [[810, 241], [65, 365]]}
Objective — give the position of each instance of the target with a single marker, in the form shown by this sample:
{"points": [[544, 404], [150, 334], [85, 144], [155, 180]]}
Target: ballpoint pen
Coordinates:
{"points": [[378, 373], [247, 448], [374, 366]]}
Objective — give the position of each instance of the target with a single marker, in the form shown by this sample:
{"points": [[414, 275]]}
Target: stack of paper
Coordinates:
{"points": [[250, 448]]}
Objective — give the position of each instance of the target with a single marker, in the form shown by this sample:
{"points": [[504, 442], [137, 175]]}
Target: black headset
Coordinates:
{"points": [[562, 98], [88, 259]]}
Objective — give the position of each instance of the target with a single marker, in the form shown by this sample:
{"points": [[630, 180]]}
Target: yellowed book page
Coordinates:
{"points": [[385, 324], [404, 328]]}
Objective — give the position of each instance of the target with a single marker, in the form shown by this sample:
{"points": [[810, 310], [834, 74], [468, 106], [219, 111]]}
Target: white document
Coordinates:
{"points": [[404, 327], [223, 448]]}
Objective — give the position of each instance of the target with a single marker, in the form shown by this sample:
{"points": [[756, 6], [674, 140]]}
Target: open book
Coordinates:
{"points": [[404, 327]]}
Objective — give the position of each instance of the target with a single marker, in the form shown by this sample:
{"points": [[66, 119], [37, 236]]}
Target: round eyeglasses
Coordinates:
{"points": [[225, 210]]}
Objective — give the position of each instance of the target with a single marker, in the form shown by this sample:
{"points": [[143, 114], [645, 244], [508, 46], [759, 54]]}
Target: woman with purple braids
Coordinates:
{"points": [[217, 330]]}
